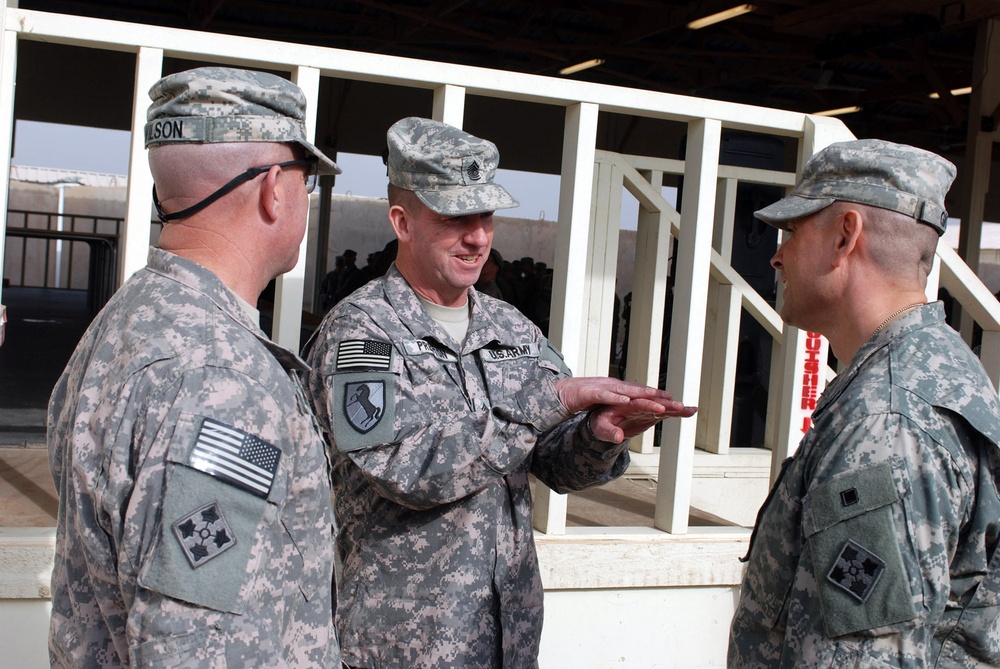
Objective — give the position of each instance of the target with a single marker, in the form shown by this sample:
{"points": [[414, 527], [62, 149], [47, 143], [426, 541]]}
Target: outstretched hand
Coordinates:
{"points": [[615, 423], [621, 409]]}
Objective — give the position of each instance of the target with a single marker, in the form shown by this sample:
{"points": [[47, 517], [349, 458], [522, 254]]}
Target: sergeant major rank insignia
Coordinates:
{"points": [[364, 404]]}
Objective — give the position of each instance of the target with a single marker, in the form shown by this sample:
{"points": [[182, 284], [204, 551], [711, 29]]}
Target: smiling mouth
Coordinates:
{"points": [[469, 260]]}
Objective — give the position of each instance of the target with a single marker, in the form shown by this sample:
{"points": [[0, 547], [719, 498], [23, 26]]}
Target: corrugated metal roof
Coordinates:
{"points": [[54, 176]]}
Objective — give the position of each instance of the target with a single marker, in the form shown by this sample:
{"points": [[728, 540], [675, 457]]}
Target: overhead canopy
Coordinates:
{"points": [[884, 56]]}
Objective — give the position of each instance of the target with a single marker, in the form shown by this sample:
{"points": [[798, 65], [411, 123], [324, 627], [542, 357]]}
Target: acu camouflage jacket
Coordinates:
{"points": [[433, 443], [194, 499], [878, 544]]}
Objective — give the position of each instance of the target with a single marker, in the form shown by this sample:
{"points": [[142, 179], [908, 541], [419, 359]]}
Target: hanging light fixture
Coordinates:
{"points": [[840, 111], [585, 65], [718, 17], [954, 91]]}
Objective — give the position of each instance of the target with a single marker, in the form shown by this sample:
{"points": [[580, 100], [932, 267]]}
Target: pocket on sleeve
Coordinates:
{"points": [[206, 530], [856, 550]]}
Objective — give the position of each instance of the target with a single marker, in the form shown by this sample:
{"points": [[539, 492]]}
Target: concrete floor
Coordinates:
{"points": [[28, 497]]}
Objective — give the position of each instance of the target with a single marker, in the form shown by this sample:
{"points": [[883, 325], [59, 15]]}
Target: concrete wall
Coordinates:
{"points": [[355, 222], [26, 258]]}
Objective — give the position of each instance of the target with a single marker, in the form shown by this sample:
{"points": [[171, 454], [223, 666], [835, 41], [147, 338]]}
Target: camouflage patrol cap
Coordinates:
{"points": [[450, 171], [874, 172], [223, 104]]}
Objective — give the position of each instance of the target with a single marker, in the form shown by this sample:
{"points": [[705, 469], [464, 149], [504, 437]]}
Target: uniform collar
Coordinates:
{"points": [[201, 279], [483, 327]]}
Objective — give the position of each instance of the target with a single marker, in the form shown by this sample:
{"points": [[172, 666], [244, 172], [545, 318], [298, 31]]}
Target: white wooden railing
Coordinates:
{"points": [[709, 293]]}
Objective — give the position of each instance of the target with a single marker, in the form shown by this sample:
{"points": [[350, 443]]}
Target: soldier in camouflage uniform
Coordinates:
{"points": [[194, 497], [439, 403], [877, 545]]}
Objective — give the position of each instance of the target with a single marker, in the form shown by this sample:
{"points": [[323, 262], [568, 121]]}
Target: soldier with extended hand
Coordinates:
{"points": [[440, 402]]}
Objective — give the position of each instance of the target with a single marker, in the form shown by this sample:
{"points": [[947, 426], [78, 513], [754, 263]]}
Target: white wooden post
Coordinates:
{"points": [[722, 335], [983, 102], [286, 327], [605, 224], [649, 291], [687, 335], [449, 105], [139, 195], [571, 259], [8, 68], [793, 389]]}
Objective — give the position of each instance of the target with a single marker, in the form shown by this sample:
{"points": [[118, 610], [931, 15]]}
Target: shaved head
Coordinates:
{"points": [[196, 170], [899, 245]]}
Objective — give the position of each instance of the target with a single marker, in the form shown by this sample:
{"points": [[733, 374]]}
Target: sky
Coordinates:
{"points": [[106, 151]]}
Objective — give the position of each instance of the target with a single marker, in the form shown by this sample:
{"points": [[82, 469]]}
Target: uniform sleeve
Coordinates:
{"points": [[230, 506], [569, 457], [881, 523], [407, 424]]}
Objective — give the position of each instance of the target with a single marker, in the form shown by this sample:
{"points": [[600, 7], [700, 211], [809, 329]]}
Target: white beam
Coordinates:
{"points": [[449, 105], [139, 195], [572, 251], [687, 335], [286, 325], [603, 266], [572, 255], [984, 100], [247, 52], [649, 291], [8, 68], [793, 393], [715, 406]]}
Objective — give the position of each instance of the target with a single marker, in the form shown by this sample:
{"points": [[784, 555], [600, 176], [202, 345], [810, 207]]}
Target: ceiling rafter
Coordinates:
{"points": [[804, 55]]}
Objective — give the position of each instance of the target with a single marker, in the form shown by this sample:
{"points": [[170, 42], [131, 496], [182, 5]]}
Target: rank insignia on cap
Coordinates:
{"points": [[204, 534], [364, 404], [359, 354], [474, 171], [236, 457], [856, 571]]}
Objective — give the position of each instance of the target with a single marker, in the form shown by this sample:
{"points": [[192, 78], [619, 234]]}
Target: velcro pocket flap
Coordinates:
{"points": [[848, 496], [855, 547]]}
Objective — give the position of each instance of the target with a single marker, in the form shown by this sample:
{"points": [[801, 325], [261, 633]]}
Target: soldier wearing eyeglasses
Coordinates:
{"points": [[194, 497]]}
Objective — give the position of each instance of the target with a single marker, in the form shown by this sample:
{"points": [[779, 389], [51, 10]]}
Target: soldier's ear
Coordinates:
{"points": [[847, 230], [270, 194], [400, 219]]}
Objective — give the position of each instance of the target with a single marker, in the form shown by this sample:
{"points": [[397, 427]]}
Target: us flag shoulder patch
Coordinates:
{"points": [[236, 457], [367, 354]]}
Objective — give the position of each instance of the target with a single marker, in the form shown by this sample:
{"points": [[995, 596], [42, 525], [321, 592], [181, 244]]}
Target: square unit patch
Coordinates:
{"points": [[204, 534], [856, 571]]}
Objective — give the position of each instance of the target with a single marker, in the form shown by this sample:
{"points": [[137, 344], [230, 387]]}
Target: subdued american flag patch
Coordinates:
{"points": [[367, 354], [235, 457]]}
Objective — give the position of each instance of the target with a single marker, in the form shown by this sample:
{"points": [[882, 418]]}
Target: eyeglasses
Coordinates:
{"points": [[310, 178]]}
